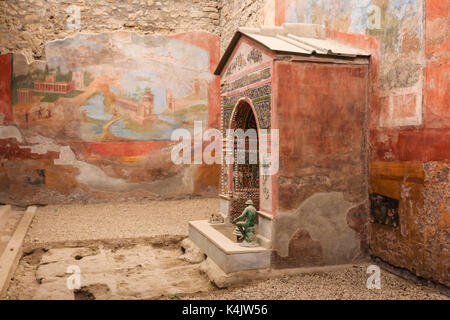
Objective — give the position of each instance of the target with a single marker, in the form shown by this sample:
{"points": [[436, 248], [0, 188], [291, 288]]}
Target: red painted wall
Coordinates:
{"points": [[322, 111], [437, 68], [411, 164], [321, 116], [5, 86]]}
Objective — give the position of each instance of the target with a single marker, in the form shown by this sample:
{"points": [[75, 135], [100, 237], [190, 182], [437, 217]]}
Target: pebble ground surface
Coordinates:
{"points": [[349, 284], [141, 219], [130, 219]]}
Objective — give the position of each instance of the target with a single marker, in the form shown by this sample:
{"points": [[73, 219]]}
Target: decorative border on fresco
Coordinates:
{"points": [[263, 111], [247, 80], [240, 62], [264, 90]]}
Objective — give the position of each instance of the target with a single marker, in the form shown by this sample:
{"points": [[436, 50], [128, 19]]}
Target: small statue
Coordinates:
{"points": [[246, 230]]}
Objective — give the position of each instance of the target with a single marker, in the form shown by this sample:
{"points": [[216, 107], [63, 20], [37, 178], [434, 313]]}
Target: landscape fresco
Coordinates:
{"points": [[113, 87]]}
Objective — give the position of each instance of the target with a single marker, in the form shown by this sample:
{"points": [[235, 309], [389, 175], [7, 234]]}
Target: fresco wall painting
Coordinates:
{"points": [[114, 99]]}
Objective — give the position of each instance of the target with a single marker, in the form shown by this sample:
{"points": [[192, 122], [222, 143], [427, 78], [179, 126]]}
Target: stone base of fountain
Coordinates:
{"points": [[218, 242]]}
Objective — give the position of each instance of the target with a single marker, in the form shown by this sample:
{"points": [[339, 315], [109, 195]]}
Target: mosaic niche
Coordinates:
{"points": [[247, 80], [261, 99], [384, 210], [245, 176], [237, 202], [244, 59]]}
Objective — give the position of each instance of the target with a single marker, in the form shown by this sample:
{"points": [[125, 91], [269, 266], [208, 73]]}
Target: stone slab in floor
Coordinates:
{"points": [[127, 273]]}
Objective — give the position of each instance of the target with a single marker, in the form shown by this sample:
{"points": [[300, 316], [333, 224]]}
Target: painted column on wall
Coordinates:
{"points": [[5, 88]]}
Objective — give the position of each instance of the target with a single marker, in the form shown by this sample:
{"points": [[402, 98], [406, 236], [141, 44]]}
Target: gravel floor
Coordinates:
{"points": [[132, 219], [64, 223], [347, 284]]}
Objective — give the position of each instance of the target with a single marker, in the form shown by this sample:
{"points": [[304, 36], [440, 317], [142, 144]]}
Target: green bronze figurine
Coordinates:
{"points": [[246, 230]]}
